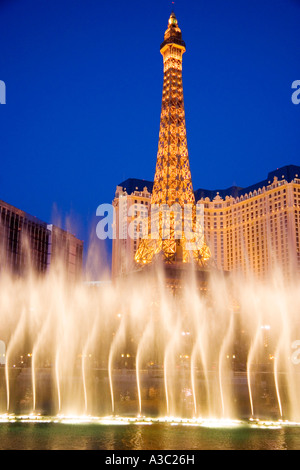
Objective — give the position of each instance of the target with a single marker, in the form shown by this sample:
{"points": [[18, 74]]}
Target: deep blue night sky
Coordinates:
{"points": [[84, 84]]}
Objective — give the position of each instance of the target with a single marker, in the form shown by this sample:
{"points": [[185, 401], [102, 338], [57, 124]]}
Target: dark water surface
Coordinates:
{"points": [[158, 436]]}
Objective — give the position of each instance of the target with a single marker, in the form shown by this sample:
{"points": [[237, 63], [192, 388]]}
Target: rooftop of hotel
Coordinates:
{"points": [[287, 173]]}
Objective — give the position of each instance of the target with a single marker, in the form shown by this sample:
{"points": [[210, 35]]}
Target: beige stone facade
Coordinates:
{"points": [[247, 230]]}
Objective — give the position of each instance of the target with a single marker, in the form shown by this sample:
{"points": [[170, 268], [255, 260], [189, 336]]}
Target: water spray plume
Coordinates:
{"points": [[137, 346]]}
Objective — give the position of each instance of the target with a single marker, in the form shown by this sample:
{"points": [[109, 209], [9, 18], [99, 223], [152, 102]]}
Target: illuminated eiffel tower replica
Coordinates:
{"points": [[183, 245]]}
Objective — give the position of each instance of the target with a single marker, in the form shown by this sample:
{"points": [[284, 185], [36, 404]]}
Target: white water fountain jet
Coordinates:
{"points": [[168, 329], [118, 339], [166, 385], [277, 383], [251, 355], [193, 367], [84, 382], [224, 348], [199, 351], [147, 335], [89, 343], [57, 378], [250, 296], [70, 330], [42, 338], [220, 321], [169, 364], [83, 373], [197, 312], [138, 381], [284, 308], [16, 337], [33, 380]]}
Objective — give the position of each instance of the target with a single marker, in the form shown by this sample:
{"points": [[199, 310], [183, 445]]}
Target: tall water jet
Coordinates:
{"points": [[277, 383], [57, 377], [16, 337], [169, 365], [193, 384], [42, 338], [118, 339], [286, 379], [224, 347], [138, 380], [88, 344], [33, 380], [199, 352], [147, 335], [251, 354], [84, 382]]}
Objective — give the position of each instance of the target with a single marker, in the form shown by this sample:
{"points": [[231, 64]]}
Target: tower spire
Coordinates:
{"points": [[173, 181]]}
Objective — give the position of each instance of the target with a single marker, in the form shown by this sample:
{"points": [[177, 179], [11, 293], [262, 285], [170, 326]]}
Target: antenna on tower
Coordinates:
{"points": [[173, 6]]}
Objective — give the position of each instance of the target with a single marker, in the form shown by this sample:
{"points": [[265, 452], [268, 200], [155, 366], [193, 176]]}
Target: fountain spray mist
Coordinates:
{"points": [[139, 346]]}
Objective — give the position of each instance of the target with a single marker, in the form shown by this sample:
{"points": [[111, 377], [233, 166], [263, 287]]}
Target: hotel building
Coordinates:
{"points": [[65, 248], [29, 243], [249, 229]]}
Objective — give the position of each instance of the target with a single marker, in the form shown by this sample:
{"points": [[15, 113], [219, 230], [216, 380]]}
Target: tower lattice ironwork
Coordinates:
{"points": [[173, 187]]}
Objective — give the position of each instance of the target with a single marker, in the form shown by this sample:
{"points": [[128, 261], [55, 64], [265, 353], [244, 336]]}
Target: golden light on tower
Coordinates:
{"points": [[173, 187]]}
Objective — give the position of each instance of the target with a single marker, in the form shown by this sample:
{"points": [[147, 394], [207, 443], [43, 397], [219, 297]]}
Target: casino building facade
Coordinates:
{"points": [[251, 229], [27, 243]]}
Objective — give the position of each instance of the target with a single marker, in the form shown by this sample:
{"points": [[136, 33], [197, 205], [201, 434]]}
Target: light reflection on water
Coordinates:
{"points": [[86, 433]]}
